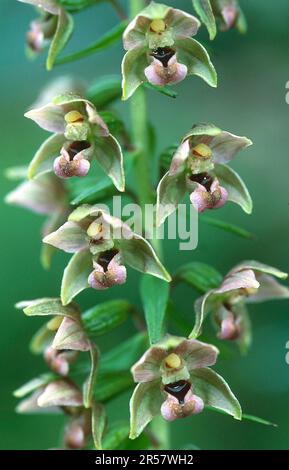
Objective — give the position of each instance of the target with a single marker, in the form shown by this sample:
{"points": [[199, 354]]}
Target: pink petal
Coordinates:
{"points": [[171, 409], [159, 75]]}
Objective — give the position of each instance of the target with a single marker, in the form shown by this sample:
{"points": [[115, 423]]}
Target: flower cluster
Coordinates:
{"points": [[60, 341], [199, 166], [161, 51]]}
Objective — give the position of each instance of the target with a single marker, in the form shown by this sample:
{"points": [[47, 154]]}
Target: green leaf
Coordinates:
{"points": [[105, 317], [231, 228], [246, 417], [98, 424], [258, 420], [122, 357], [100, 191], [42, 162], [139, 254], [133, 65], [195, 57], [201, 276], [155, 295], [112, 385], [105, 41], [215, 392], [235, 186], [116, 436], [164, 90], [145, 404], [75, 276], [205, 12], [88, 385], [105, 91], [63, 32]]}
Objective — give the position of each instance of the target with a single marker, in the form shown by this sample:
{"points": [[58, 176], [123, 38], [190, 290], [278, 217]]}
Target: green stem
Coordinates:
{"points": [[143, 180]]}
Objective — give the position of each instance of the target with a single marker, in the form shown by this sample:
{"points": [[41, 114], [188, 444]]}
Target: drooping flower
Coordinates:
{"points": [[226, 13], [80, 135], [53, 27], [63, 395], [199, 166], [102, 246], [161, 51], [174, 380], [43, 195], [248, 282]]}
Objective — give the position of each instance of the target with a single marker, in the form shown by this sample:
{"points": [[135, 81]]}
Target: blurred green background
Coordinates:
{"points": [[250, 100]]}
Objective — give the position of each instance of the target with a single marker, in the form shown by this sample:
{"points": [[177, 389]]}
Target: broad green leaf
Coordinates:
{"points": [[104, 91], [145, 404], [170, 192], [107, 40], [235, 186], [50, 306], [231, 228], [89, 384], [42, 162], [122, 357], [195, 57], [205, 12], [116, 436], [112, 385], [215, 392], [155, 295], [75, 276], [140, 255], [108, 153], [104, 317], [63, 32], [133, 65], [98, 424], [33, 385], [201, 276], [164, 90]]}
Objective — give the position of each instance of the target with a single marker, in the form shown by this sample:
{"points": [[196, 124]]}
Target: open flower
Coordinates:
{"points": [[102, 246], [174, 380], [161, 51], [199, 167], [227, 13], [54, 26], [43, 195], [80, 135], [248, 282]]}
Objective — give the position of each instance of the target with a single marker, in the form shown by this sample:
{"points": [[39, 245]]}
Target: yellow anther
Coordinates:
{"points": [[202, 150], [173, 361], [73, 116], [55, 323], [94, 230], [158, 26]]}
